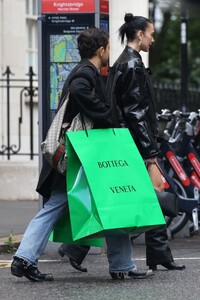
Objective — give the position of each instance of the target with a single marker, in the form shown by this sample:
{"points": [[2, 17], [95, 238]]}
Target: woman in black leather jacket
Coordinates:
{"points": [[130, 87]]}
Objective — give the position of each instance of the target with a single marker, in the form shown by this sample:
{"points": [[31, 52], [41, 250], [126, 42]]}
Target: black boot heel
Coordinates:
{"points": [[153, 267], [61, 253], [16, 271]]}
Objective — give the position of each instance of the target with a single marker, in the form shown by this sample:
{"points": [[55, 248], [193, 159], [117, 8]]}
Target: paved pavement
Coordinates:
{"points": [[96, 284], [14, 218]]}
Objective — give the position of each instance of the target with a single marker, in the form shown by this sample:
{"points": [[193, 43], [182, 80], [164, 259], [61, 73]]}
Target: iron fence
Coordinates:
{"points": [[167, 96], [27, 88]]}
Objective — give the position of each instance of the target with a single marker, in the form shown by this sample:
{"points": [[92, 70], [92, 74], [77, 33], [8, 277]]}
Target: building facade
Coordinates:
{"points": [[19, 38]]}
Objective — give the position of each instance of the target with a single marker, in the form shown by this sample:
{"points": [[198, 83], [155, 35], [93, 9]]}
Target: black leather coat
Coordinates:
{"points": [[134, 95]]}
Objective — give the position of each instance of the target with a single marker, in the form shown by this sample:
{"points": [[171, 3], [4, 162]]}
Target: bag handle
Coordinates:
{"points": [[83, 124]]}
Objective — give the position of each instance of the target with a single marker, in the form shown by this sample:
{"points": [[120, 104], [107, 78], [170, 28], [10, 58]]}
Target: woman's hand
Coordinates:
{"points": [[156, 176]]}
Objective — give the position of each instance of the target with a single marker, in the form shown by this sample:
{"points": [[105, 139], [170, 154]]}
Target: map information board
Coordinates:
{"points": [[63, 30]]}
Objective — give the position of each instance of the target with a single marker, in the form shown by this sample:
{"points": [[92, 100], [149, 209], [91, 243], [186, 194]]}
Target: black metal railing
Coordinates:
{"points": [[27, 88], [167, 96]]}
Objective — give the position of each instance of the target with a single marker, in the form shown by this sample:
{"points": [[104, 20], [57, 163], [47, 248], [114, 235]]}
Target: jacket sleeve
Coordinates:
{"points": [[84, 95], [136, 110]]}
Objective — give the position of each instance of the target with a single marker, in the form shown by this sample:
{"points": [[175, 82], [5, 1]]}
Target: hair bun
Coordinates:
{"points": [[128, 18]]}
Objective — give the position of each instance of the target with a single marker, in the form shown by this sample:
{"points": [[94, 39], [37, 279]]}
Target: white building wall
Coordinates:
{"points": [[13, 46], [19, 175], [12, 35], [118, 8]]}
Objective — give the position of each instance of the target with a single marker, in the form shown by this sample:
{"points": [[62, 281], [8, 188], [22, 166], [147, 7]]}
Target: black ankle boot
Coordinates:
{"points": [[170, 266], [20, 268], [72, 261]]}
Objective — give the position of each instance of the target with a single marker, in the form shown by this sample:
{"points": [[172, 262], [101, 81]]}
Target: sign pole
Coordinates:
{"points": [[184, 59]]}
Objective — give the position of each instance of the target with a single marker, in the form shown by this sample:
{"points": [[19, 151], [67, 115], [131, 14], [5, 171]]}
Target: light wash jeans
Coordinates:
{"points": [[37, 233], [119, 249]]}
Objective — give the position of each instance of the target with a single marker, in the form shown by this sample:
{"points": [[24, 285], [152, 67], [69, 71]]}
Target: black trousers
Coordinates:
{"points": [[157, 248], [76, 252]]}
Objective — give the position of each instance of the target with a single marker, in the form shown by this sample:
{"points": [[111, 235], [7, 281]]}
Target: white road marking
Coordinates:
{"points": [[175, 258], [7, 263]]}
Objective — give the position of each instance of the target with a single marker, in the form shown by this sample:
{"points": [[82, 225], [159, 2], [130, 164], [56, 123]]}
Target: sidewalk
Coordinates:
{"points": [[14, 218], [16, 215]]}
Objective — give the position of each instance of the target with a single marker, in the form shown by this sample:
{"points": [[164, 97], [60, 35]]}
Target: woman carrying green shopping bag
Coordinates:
{"points": [[135, 97]]}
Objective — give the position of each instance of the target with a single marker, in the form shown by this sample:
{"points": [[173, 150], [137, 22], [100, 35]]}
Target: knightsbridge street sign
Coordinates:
{"points": [[67, 6]]}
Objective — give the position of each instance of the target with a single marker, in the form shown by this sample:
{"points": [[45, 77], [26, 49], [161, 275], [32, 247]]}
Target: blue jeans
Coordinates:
{"points": [[119, 253], [119, 249], [37, 233]]}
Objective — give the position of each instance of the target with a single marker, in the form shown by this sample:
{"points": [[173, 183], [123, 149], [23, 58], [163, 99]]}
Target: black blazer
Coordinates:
{"points": [[87, 95]]}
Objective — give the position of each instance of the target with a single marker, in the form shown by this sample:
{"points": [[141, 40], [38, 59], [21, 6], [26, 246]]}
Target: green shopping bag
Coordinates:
{"points": [[62, 233], [108, 186]]}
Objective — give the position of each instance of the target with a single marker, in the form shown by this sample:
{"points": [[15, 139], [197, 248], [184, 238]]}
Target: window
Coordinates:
{"points": [[31, 35], [31, 7]]}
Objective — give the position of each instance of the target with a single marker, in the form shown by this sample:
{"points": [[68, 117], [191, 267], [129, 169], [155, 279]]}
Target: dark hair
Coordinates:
{"points": [[131, 26], [90, 40]]}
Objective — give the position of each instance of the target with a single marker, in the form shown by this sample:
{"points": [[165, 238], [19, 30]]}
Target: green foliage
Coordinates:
{"points": [[165, 54], [10, 245], [167, 66], [193, 50]]}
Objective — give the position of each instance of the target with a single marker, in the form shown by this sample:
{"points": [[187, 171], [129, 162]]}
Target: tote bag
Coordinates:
{"points": [[108, 187]]}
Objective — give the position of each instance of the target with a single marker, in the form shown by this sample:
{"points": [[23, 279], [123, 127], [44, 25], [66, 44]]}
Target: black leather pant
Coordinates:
{"points": [[157, 248]]}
